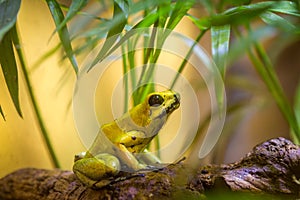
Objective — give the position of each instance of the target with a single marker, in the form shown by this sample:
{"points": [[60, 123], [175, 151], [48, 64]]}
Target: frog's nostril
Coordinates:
{"points": [[177, 97]]}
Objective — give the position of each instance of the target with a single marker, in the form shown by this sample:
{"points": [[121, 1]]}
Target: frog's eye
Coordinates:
{"points": [[155, 100]]}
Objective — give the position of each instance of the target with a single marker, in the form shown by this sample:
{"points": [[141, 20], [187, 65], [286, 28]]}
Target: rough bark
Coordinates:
{"points": [[272, 167]]}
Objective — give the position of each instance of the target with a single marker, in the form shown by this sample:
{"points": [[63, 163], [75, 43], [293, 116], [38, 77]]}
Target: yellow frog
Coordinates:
{"points": [[122, 143]]}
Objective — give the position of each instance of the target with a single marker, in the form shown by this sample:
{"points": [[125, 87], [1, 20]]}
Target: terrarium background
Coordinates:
{"points": [[21, 143]]}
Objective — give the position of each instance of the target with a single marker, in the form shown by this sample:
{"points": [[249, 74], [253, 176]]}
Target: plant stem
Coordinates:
{"points": [[32, 99], [126, 98], [186, 58]]}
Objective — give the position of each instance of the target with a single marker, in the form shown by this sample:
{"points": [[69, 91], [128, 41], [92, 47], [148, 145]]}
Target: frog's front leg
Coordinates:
{"points": [[96, 170], [129, 159], [150, 158]]}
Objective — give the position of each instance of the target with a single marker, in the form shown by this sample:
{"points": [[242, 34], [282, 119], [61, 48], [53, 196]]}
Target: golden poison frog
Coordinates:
{"points": [[122, 143]]}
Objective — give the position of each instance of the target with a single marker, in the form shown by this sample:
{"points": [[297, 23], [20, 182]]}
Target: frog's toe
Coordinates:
{"points": [[148, 168]]}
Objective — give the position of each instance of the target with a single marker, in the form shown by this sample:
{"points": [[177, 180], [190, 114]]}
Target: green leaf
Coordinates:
{"points": [[146, 22], [8, 15], [163, 13], [296, 137], [75, 7], [45, 56], [63, 33], [267, 72], [245, 42], [208, 5], [186, 58], [9, 69], [180, 10], [234, 16], [220, 46], [118, 23], [138, 6], [276, 20], [236, 3], [285, 7], [25, 74], [2, 113]]}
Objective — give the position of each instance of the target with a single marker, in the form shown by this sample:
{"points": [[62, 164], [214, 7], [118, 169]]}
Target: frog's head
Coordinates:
{"points": [[162, 104], [152, 113]]}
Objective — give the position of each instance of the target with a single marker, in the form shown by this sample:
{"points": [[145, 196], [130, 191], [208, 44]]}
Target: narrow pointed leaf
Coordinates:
{"points": [[163, 13], [220, 36], [220, 46], [119, 21], [243, 44], [276, 20], [234, 16], [8, 15], [285, 7], [208, 5], [180, 10], [63, 33], [75, 7], [2, 113], [9, 69], [296, 137], [146, 22], [266, 70]]}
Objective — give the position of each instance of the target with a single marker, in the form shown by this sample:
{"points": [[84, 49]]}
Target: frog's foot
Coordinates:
{"points": [[102, 183], [150, 168], [113, 180]]}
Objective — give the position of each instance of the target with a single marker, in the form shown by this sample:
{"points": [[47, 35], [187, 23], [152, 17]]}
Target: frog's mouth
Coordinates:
{"points": [[174, 105]]}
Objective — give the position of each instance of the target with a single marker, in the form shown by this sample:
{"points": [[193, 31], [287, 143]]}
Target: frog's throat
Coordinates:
{"points": [[172, 107]]}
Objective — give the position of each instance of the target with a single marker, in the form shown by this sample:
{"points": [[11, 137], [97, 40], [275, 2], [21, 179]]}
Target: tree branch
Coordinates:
{"points": [[272, 167]]}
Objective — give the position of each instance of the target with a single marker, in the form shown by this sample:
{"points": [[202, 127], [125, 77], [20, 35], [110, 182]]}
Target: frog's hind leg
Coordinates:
{"points": [[91, 170]]}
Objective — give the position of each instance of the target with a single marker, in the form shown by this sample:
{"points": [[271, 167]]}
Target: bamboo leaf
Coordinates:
{"points": [[146, 22], [149, 20], [45, 56], [9, 69], [63, 33], [138, 6], [276, 20], [8, 15], [28, 86], [285, 7], [180, 10], [236, 3], [244, 43], [119, 21], [163, 13], [75, 7], [208, 5], [2, 113], [220, 46], [234, 16], [186, 58], [202, 24], [266, 70], [296, 137]]}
